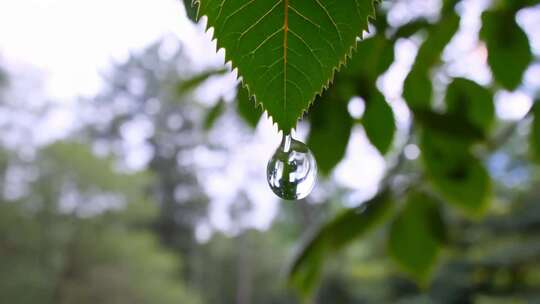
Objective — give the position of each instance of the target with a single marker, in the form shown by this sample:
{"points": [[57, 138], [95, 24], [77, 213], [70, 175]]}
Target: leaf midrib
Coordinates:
{"points": [[285, 46]]}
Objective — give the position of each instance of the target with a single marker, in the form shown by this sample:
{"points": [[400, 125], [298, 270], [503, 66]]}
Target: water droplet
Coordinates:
{"points": [[292, 170]]}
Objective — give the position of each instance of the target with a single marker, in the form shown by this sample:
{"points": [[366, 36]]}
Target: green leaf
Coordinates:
{"points": [[455, 172], [213, 114], [509, 53], [331, 122], [286, 52], [519, 4], [445, 124], [535, 132], [416, 236], [467, 103], [417, 88], [411, 28], [380, 52], [439, 36], [191, 10], [186, 85], [247, 109], [471, 102], [334, 236], [379, 123], [330, 130]]}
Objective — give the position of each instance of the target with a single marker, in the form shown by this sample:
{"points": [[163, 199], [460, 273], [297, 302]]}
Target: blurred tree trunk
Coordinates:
{"points": [[244, 284]]}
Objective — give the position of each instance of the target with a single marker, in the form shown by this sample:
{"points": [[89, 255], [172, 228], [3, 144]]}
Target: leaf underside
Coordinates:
{"points": [[286, 51]]}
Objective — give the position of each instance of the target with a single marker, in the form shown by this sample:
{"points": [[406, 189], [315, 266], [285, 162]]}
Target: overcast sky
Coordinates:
{"points": [[73, 40]]}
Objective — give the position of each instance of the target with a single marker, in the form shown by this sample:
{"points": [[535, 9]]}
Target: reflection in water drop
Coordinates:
{"points": [[292, 170]]}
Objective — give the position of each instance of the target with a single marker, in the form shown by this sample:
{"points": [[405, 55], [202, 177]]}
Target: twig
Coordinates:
{"points": [[504, 135]]}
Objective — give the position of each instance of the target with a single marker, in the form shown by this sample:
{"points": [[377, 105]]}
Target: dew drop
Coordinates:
{"points": [[292, 170]]}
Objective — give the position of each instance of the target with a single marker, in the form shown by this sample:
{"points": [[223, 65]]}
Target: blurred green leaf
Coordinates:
{"points": [[519, 4], [379, 123], [330, 131], [535, 132], [469, 115], [338, 233], [213, 114], [189, 84], [380, 52], [446, 124], [509, 53], [411, 28], [246, 108], [455, 172], [331, 122], [439, 35], [51, 253], [416, 236], [417, 89], [472, 102], [191, 10]]}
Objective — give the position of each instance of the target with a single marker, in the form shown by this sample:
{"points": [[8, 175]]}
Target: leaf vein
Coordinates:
{"points": [[309, 48], [259, 20], [331, 19]]}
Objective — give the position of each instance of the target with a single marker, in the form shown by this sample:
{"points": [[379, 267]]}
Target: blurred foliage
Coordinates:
{"points": [[456, 172], [56, 246], [187, 85], [333, 237], [416, 235], [378, 122], [506, 42], [471, 103], [214, 114], [453, 125], [418, 87], [327, 133]]}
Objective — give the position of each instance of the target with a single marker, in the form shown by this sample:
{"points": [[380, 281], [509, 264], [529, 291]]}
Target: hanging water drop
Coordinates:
{"points": [[292, 170]]}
